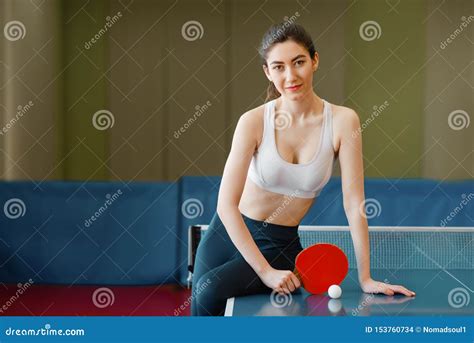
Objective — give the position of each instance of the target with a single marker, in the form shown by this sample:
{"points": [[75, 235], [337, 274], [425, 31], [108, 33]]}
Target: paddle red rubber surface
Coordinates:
{"points": [[320, 266]]}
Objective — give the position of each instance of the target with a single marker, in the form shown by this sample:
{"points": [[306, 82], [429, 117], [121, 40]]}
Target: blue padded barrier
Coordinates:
{"points": [[132, 241], [141, 237]]}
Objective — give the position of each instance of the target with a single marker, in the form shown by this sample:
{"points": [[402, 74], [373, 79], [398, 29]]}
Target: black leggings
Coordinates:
{"points": [[221, 272]]}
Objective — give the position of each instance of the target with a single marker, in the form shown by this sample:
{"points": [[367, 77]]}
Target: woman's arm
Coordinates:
{"points": [[232, 184], [244, 144], [352, 177]]}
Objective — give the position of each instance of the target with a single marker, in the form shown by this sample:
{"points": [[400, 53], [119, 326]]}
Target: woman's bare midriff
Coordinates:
{"points": [[260, 204]]}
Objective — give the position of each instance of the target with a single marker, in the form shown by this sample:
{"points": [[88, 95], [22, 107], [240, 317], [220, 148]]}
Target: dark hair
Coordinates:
{"points": [[280, 33]]}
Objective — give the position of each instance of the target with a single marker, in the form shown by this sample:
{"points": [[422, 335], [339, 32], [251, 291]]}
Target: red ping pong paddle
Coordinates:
{"points": [[320, 266]]}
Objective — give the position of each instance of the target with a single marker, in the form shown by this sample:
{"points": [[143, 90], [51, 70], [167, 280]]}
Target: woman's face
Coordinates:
{"points": [[291, 69]]}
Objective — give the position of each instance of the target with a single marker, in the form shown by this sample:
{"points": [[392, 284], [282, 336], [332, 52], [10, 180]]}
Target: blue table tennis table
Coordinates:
{"points": [[435, 262], [438, 293]]}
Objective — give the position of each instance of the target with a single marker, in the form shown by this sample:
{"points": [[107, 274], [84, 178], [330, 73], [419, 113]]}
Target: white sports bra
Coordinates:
{"points": [[303, 180]]}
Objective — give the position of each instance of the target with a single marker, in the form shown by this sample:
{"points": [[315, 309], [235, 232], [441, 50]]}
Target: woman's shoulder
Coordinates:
{"points": [[344, 117], [254, 115], [254, 121], [345, 121], [343, 113]]}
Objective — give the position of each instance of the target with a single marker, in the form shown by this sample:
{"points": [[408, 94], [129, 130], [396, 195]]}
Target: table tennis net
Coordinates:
{"points": [[400, 247], [404, 248]]}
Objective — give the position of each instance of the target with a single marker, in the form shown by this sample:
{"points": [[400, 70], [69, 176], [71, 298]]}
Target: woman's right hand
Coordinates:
{"points": [[281, 281]]}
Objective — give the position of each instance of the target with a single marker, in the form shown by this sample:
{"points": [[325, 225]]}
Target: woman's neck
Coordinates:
{"points": [[303, 108]]}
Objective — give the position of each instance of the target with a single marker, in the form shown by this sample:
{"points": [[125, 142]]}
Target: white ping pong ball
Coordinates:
{"points": [[335, 291]]}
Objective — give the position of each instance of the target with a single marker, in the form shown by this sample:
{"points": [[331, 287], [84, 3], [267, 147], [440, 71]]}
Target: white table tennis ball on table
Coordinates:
{"points": [[335, 291]]}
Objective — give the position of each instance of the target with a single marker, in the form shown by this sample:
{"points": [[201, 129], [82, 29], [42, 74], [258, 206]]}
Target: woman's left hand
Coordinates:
{"points": [[372, 286]]}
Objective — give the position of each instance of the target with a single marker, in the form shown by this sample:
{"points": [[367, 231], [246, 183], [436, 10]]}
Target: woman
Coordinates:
{"points": [[282, 155]]}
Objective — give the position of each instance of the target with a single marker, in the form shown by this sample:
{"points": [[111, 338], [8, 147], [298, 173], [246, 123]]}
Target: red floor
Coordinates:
{"points": [[54, 300]]}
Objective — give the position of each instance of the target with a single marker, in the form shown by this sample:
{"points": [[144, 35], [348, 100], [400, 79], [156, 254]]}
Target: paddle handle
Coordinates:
{"points": [[297, 274]]}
